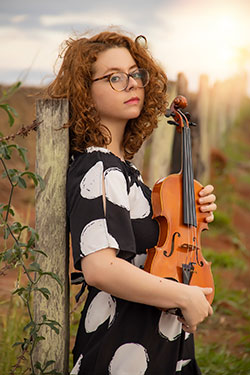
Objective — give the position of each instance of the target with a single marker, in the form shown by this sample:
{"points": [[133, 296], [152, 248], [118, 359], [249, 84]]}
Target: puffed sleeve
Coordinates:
{"points": [[94, 178]]}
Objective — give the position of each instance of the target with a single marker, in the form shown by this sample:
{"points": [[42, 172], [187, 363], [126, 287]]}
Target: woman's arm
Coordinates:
{"points": [[118, 277]]}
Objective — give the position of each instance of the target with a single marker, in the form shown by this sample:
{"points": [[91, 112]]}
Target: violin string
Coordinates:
{"points": [[184, 182], [186, 188], [192, 197], [189, 195], [189, 198]]}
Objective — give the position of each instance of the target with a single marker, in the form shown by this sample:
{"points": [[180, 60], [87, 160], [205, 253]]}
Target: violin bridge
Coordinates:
{"points": [[189, 246]]}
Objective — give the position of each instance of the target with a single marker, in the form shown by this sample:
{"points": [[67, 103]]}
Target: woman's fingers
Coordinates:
{"points": [[210, 218], [186, 327], [208, 189], [198, 309], [206, 201], [208, 208]]}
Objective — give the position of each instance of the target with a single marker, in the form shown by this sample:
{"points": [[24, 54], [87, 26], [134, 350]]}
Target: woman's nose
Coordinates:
{"points": [[132, 83]]}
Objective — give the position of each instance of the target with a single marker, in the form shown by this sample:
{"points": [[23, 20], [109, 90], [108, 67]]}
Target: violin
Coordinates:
{"points": [[178, 254]]}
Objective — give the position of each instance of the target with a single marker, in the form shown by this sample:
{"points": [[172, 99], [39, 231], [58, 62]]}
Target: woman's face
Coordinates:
{"points": [[116, 107]]}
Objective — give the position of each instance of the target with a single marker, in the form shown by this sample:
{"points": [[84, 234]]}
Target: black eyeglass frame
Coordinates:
{"points": [[127, 74]]}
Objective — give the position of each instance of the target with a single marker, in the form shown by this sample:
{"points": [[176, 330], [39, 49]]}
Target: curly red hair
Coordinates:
{"points": [[74, 81]]}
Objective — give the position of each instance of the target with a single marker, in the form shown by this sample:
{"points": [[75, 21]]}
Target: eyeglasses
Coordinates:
{"points": [[119, 81]]}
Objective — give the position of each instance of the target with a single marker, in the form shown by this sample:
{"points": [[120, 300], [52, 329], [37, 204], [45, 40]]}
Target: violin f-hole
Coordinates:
{"points": [[172, 245]]}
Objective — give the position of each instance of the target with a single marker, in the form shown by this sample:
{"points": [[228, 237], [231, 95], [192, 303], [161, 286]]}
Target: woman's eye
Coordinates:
{"points": [[136, 75], [115, 78]]}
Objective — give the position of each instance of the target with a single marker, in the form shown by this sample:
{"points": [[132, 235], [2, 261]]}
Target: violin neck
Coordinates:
{"points": [[189, 210]]}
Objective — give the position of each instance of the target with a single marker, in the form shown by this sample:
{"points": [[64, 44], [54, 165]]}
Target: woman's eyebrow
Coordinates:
{"points": [[115, 69]]}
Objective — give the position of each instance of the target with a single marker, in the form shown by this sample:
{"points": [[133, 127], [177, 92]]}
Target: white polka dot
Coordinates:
{"points": [[187, 334], [116, 187], [169, 326], [95, 237], [139, 260], [182, 363], [129, 359], [102, 307], [94, 148], [76, 368], [139, 206], [91, 184]]}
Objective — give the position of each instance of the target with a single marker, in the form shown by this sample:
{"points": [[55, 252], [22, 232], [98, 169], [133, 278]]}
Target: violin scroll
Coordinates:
{"points": [[179, 102]]}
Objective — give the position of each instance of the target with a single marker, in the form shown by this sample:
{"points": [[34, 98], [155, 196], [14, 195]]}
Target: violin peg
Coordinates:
{"points": [[173, 123], [192, 124], [169, 113]]}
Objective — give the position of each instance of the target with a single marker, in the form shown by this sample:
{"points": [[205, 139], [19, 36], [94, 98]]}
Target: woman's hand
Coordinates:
{"points": [[206, 201], [196, 308]]}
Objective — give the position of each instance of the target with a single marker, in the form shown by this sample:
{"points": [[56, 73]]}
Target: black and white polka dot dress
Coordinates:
{"points": [[118, 337]]}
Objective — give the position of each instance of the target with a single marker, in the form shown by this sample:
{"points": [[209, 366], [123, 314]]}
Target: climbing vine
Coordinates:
{"points": [[19, 244]]}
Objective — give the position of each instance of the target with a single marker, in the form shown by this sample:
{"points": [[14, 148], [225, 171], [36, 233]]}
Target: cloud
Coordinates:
{"points": [[31, 52], [18, 18], [96, 18], [194, 36]]}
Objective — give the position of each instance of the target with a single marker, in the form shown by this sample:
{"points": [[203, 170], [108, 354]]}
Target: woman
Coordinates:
{"points": [[116, 93]]}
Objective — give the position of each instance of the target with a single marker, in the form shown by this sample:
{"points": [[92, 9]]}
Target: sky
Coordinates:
{"points": [[191, 36]]}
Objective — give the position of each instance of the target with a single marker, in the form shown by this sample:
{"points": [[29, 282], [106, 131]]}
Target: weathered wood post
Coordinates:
{"points": [[175, 157], [202, 104], [52, 153], [161, 145]]}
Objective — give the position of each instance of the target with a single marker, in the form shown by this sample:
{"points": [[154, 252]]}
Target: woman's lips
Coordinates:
{"points": [[133, 100]]}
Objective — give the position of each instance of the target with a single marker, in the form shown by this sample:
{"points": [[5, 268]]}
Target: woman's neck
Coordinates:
{"points": [[116, 144], [116, 149]]}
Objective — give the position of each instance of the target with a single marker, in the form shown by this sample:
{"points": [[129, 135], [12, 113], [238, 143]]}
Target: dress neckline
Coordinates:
{"points": [[105, 151]]}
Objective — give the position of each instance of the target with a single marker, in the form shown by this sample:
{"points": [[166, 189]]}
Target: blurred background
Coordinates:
{"points": [[204, 47]]}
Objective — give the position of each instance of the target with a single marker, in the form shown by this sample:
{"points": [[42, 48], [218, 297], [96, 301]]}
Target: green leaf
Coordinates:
{"points": [[35, 251], [11, 90], [41, 182], [40, 338], [9, 110], [5, 151], [21, 182], [11, 172], [9, 255], [48, 363], [46, 293], [16, 227], [22, 152], [31, 324], [6, 233], [55, 277], [17, 343], [53, 324], [9, 209], [19, 291], [34, 267], [38, 366], [32, 176]]}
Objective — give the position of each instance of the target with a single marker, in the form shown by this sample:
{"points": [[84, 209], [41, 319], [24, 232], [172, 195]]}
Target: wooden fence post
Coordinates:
{"points": [[202, 104], [161, 145], [52, 152]]}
